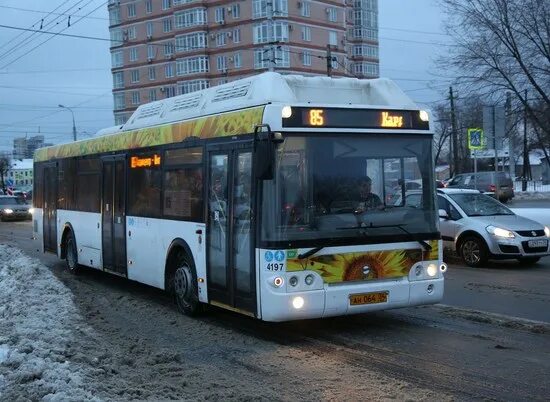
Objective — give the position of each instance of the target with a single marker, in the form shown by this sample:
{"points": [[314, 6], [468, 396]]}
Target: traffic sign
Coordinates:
{"points": [[475, 138]]}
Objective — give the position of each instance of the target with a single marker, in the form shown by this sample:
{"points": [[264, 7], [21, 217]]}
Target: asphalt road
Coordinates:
{"points": [[534, 203], [442, 352]]}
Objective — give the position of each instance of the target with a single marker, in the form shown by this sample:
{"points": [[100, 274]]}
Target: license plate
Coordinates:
{"points": [[368, 298], [538, 243]]}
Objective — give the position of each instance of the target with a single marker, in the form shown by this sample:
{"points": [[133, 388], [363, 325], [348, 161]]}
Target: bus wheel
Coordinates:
{"points": [[185, 287], [71, 257]]}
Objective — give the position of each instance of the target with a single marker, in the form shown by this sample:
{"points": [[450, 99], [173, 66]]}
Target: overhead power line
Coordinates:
{"points": [[52, 13], [56, 33]]}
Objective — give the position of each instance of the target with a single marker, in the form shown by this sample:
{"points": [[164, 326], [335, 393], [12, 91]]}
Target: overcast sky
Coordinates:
{"points": [[76, 72]]}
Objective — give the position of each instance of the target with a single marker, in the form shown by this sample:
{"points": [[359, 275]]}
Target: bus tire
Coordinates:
{"points": [[184, 284], [71, 253]]}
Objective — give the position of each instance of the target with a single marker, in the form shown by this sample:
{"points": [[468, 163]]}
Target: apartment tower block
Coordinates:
{"points": [[163, 48]]}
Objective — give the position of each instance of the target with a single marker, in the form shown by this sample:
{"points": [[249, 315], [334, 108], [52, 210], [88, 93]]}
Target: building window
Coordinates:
{"points": [[306, 34], [149, 6], [152, 73], [366, 69], [118, 79], [237, 61], [332, 38], [221, 63], [152, 95], [192, 86], [334, 62], [282, 57], [236, 35], [135, 98], [332, 14], [192, 65], [117, 36], [236, 11], [170, 91], [114, 16], [306, 9], [149, 29], [192, 41], [150, 52], [169, 70], [119, 101], [280, 30], [135, 75], [365, 51], [131, 10], [168, 49], [220, 39], [133, 54], [306, 58], [189, 18], [259, 8], [166, 4], [132, 33], [220, 15], [167, 25], [116, 59]]}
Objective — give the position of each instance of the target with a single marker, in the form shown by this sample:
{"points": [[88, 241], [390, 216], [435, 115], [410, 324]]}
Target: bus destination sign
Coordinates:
{"points": [[305, 117], [137, 162]]}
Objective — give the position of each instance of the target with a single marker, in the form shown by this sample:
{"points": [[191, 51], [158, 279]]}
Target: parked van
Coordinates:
{"points": [[490, 183]]}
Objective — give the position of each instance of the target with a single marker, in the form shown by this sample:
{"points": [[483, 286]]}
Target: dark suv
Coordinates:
{"points": [[490, 183]]}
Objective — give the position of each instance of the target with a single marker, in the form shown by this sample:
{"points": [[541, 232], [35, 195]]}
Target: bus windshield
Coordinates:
{"points": [[374, 187]]}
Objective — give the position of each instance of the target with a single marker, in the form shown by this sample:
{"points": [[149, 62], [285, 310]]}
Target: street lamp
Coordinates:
{"points": [[74, 126]]}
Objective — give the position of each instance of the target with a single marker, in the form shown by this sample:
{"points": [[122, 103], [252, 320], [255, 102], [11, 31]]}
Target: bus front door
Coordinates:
{"points": [[230, 260], [113, 215], [50, 208]]}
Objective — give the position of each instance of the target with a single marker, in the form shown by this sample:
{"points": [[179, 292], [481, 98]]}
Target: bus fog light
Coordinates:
{"points": [[443, 267], [293, 281], [278, 282], [418, 270], [432, 270], [309, 279], [430, 288], [298, 302]]}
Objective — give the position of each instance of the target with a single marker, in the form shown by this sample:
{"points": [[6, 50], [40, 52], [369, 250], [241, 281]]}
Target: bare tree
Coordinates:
{"points": [[499, 46], [4, 168]]}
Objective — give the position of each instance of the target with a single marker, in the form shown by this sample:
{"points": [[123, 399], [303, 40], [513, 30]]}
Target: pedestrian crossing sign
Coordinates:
{"points": [[475, 138]]}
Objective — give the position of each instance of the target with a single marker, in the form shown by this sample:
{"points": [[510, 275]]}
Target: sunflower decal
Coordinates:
{"points": [[371, 265]]}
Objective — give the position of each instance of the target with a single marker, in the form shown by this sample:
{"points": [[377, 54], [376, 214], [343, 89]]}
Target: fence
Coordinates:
{"points": [[532, 186]]}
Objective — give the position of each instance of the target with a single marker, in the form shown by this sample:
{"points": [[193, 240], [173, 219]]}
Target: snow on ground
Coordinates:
{"points": [[37, 317], [541, 215]]}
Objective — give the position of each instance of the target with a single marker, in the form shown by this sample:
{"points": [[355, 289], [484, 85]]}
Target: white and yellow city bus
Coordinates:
{"points": [[276, 196]]}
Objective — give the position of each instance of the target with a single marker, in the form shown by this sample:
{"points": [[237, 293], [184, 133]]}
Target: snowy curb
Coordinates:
{"points": [[529, 195], [537, 327], [37, 319]]}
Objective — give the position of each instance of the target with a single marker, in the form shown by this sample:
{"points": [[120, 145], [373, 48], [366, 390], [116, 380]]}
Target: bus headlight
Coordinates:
{"points": [[309, 279], [293, 281], [432, 270], [298, 302], [8, 211]]}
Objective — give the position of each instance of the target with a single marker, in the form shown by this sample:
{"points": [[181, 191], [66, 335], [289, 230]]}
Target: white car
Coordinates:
{"points": [[479, 228]]}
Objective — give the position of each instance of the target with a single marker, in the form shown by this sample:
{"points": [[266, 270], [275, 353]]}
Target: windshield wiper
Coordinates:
{"points": [[425, 245], [309, 253]]}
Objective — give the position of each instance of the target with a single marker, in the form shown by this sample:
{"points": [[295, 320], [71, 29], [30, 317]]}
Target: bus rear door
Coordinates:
{"points": [[50, 208]]}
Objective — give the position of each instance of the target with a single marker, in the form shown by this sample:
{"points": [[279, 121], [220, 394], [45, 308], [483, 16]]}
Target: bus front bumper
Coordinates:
{"points": [[336, 299]]}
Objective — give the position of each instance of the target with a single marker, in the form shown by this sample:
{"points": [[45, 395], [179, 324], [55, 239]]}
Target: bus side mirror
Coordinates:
{"points": [[264, 152]]}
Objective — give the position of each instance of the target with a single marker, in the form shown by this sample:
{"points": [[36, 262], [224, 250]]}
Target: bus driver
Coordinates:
{"points": [[368, 200]]}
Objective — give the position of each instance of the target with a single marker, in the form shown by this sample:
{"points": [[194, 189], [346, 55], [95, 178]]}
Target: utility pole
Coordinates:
{"points": [[271, 34], [454, 169], [526, 165], [329, 61]]}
